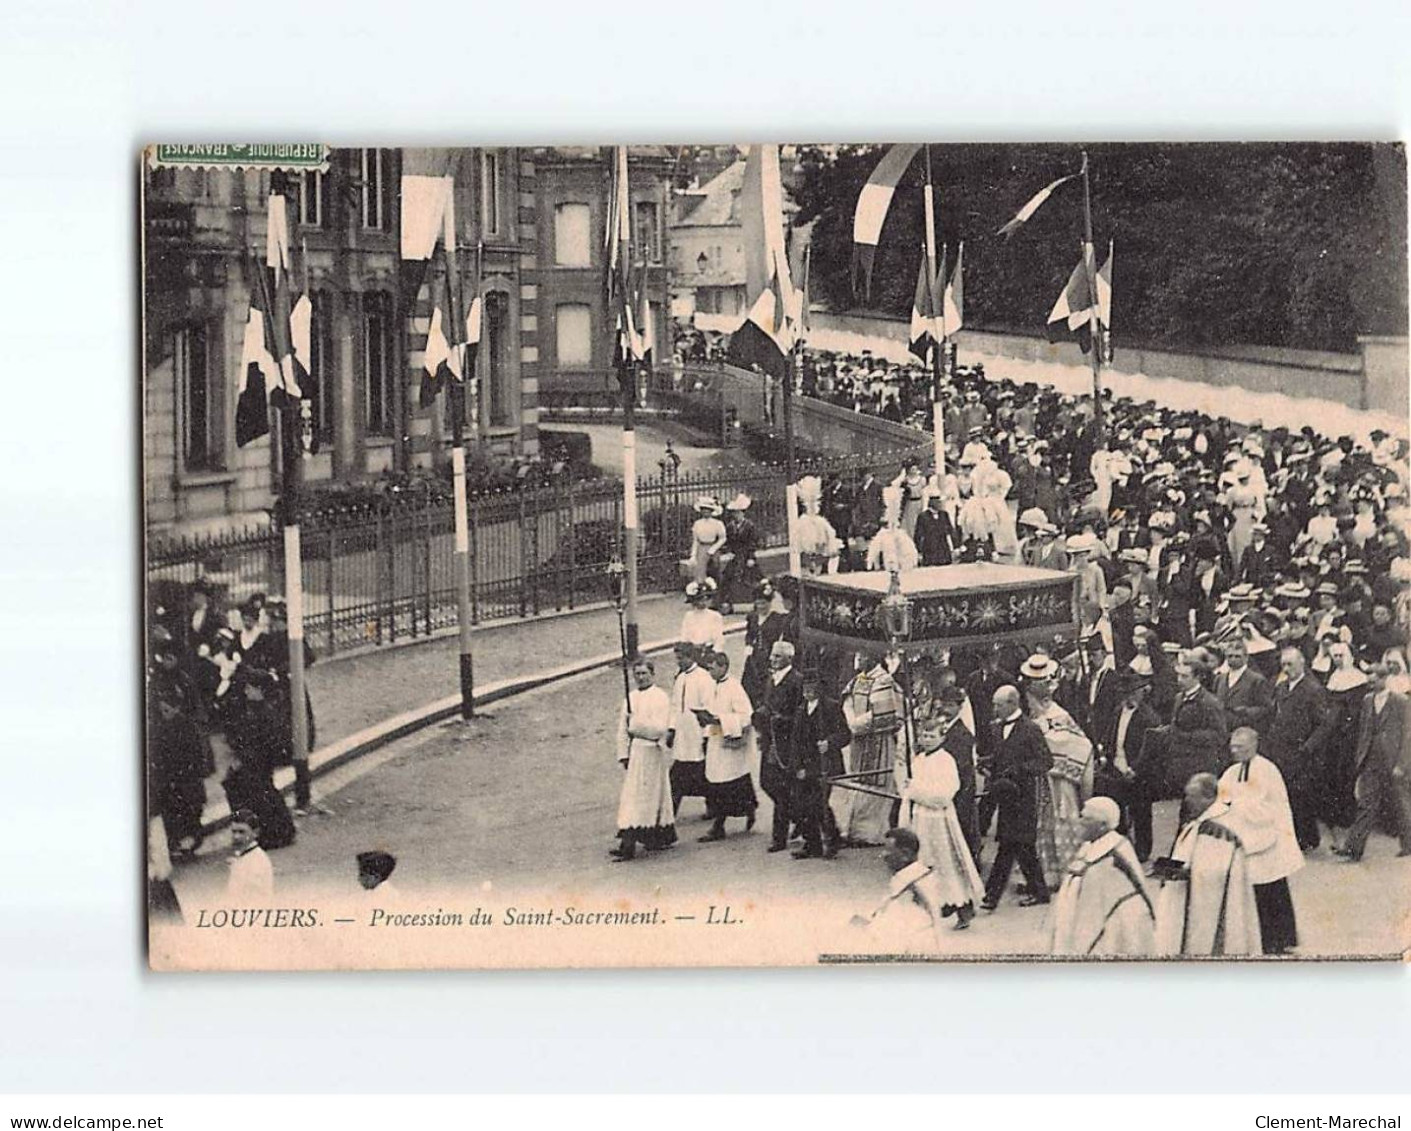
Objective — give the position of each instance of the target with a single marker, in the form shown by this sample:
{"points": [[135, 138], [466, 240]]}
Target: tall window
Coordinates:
{"points": [[648, 231], [375, 175], [572, 236], [495, 341], [378, 362], [490, 191], [573, 324], [309, 189], [200, 399], [322, 364]]}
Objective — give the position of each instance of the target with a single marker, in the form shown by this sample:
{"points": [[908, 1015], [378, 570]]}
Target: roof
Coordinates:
{"points": [[717, 205]]}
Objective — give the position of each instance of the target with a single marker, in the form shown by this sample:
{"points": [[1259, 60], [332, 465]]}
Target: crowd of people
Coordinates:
{"points": [[1243, 616], [218, 710]]}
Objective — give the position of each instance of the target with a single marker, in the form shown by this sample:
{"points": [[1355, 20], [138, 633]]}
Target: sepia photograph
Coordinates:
{"points": [[774, 554]]}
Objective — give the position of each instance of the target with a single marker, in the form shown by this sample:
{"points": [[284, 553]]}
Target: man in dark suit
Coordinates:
{"points": [[1021, 763], [935, 536], [1195, 740], [1248, 698], [1259, 565], [818, 733], [1304, 721], [1383, 762], [959, 743], [773, 716], [1121, 773], [867, 507], [1122, 616], [980, 688]]}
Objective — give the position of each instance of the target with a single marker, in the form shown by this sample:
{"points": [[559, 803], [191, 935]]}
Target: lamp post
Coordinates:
{"points": [[617, 584], [896, 617]]}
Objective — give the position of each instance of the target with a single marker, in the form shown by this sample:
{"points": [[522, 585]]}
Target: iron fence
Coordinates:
{"points": [[379, 574]]}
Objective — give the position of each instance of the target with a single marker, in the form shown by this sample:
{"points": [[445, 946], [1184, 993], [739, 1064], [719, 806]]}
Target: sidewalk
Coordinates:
{"points": [[353, 693]]}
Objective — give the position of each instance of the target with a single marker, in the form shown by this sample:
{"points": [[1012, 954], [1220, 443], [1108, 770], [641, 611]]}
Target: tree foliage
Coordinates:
{"points": [[1297, 245]]}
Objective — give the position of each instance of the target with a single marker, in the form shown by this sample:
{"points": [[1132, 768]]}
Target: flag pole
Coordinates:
{"points": [[1095, 325], [937, 348], [458, 485], [627, 382], [291, 445]]}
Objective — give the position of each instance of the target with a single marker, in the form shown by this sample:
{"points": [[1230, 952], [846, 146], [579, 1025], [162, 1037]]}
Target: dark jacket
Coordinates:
{"points": [[1017, 773], [1196, 741], [1382, 739], [1303, 722], [1250, 703], [1144, 719], [934, 537], [773, 715], [828, 724]]}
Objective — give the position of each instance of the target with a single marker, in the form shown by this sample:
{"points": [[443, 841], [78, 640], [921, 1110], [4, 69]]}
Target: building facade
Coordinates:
{"points": [[571, 190], [204, 230], [708, 253]]}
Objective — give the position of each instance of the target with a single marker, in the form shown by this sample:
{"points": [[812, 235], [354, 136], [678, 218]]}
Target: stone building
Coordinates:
{"points": [[571, 190], [202, 230]]}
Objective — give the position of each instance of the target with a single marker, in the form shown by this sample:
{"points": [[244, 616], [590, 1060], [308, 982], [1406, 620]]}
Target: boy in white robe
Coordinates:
{"points": [[251, 880], [928, 808], [691, 692], [644, 812], [730, 753], [1103, 906]]}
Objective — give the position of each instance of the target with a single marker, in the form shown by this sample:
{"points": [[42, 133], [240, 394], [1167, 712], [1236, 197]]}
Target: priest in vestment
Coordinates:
{"points": [[644, 811], [928, 808], [1103, 907], [1205, 905], [871, 705], [730, 752]]}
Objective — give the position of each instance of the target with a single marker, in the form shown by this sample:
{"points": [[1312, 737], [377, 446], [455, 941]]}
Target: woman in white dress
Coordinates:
{"points": [[702, 625], [708, 537]]}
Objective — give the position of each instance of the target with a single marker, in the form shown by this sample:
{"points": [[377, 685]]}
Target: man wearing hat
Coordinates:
{"points": [[1103, 905], [1258, 566]]}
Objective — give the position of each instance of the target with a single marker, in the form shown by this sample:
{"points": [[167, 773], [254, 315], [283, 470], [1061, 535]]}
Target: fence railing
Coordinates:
{"points": [[377, 575]]}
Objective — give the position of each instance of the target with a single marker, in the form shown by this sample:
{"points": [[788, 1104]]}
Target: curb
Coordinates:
{"points": [[354, 746]]}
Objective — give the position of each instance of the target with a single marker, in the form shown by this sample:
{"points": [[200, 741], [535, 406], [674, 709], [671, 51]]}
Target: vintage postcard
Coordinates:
{"points": [[682, 555]]}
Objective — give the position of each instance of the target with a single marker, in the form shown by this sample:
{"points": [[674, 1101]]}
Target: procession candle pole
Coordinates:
{"points": [[627, 380], [791, 489], [457, 400], [1095, 323], [937, 348]]}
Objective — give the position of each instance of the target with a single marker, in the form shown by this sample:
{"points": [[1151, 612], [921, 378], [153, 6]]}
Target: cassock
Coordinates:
{"points": [[1210, 909], [928, 806], [1260, 815], [251, 879], [693, 690], [645, 814], [1103, 907], [730, 753], [871, 706]]}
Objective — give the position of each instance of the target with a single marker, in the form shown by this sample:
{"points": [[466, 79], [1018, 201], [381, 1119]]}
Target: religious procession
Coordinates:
{"points": [[1149, 656], [1230, 637]]}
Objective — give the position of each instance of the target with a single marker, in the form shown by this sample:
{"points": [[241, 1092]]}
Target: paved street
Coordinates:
{"points": [[521, 803]]}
